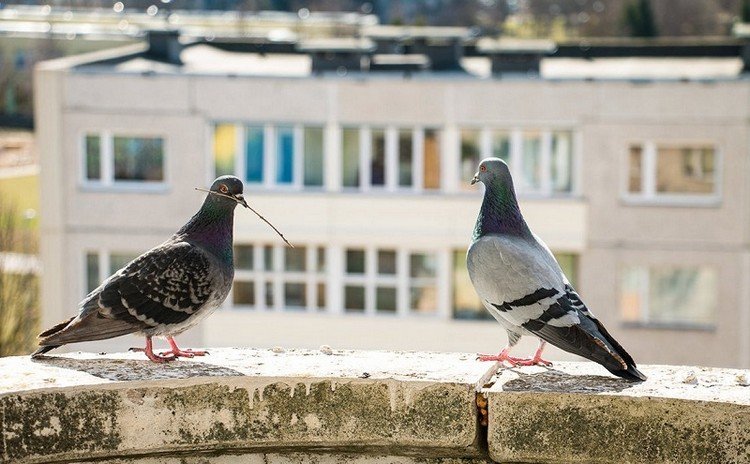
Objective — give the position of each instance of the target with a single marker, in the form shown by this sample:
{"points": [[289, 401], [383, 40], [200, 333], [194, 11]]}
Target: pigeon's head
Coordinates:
{"points": [[492, 171], [229, 189]]}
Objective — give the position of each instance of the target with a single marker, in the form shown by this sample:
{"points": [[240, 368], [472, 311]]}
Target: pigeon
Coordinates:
{"points": [[523, 287], [166, 290]]}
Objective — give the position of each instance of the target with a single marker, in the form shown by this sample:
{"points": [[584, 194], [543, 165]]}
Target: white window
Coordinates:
{"points": [[390, 158], [669, 296], [102, 264], [283, 155], [687, 173], [273, 277], [389, 281], [120, 159], [541, 161]]}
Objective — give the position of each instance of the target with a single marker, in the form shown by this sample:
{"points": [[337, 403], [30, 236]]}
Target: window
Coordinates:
{"points": [[423, 282], [354, 280], [466, 302], [279, 278], [270, 155], [254, 153], [569, 264], [501, 145], [377, 158], [431, 160], [671, 172], [389, 281], [561, 163], [394, 158], [405, 158], [284, 155], [313, 155], [470, 156], [531, 163], [225, 148], [350, 153], [541, 161], [101, 265], [123, 159], [669, 296]]}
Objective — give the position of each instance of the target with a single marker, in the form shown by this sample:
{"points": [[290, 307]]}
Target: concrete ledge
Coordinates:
{"points": [[347, 401], [569, 414], [329, 406]]}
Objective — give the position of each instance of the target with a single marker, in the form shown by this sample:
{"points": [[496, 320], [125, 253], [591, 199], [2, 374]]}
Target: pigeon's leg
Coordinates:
{"points": [[149, 350], [537, 359], [176, 351]]}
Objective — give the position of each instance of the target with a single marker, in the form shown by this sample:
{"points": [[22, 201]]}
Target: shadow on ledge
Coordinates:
{"points": [[560, 382], [128, 369]]}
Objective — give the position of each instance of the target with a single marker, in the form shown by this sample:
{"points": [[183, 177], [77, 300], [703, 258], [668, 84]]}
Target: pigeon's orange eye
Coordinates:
{"points": [[482, 168], [223, 188]]}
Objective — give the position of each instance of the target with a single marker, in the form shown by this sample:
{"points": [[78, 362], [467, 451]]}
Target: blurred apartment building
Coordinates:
{"points": [[631, 162]]}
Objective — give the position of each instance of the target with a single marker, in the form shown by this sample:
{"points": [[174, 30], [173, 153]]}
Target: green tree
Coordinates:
{"points": [[639, 19], [19, 286], [745, 11]]}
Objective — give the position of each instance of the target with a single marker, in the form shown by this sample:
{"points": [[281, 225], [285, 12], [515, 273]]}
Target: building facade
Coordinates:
{"points": [[639, 187]]}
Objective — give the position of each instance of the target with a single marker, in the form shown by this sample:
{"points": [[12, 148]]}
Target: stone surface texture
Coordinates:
{"points": [[336, 406]]}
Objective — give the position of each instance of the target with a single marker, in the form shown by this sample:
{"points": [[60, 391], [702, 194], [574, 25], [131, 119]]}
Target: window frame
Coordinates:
{"points": [[401, 281], [391, 182], [278, 277], [648, 194], [107, 181]]}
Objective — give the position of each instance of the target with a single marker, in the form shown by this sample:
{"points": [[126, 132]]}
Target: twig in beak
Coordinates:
{"points": [[251, 209]]}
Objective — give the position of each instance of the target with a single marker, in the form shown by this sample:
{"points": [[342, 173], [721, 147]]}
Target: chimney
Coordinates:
{"points": [[164, 46]]}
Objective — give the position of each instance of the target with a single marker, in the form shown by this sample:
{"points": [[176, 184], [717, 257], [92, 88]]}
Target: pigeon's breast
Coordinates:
{"points": [[504, 269]]}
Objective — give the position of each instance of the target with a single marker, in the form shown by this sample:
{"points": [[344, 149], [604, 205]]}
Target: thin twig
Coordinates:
{"points": [[251, 209]]}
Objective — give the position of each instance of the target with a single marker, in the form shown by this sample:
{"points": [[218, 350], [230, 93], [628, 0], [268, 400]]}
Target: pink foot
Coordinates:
{"points": [[151, 355], [177, 352], [180, 353], [513, 361], [532, 362]]}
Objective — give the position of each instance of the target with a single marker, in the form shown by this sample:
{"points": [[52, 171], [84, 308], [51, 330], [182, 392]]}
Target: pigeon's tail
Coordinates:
{"points": [[82, 329], [630, 371], [44, 348], [591, 340]]}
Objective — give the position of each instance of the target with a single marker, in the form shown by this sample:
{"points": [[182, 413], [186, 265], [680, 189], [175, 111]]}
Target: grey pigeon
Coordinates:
{"points": [[522, 286], [166, 290]]}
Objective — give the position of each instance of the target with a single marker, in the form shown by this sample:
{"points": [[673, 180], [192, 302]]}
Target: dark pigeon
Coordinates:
{"points": [[166, 290], [523, 287]]}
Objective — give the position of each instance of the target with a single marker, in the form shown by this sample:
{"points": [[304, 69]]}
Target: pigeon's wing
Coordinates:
{"points": [[524, 283], [509, 272], [164, 286]]}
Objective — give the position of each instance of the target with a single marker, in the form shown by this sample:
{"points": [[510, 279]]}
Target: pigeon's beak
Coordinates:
{"points": [[241, 200], [475, 179]]}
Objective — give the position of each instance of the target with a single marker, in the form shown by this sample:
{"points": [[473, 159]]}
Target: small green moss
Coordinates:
{"points": [[53, 423]]}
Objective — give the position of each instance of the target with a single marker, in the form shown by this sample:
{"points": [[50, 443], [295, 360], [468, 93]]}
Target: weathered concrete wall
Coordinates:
{"points": [[341, 406]]}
